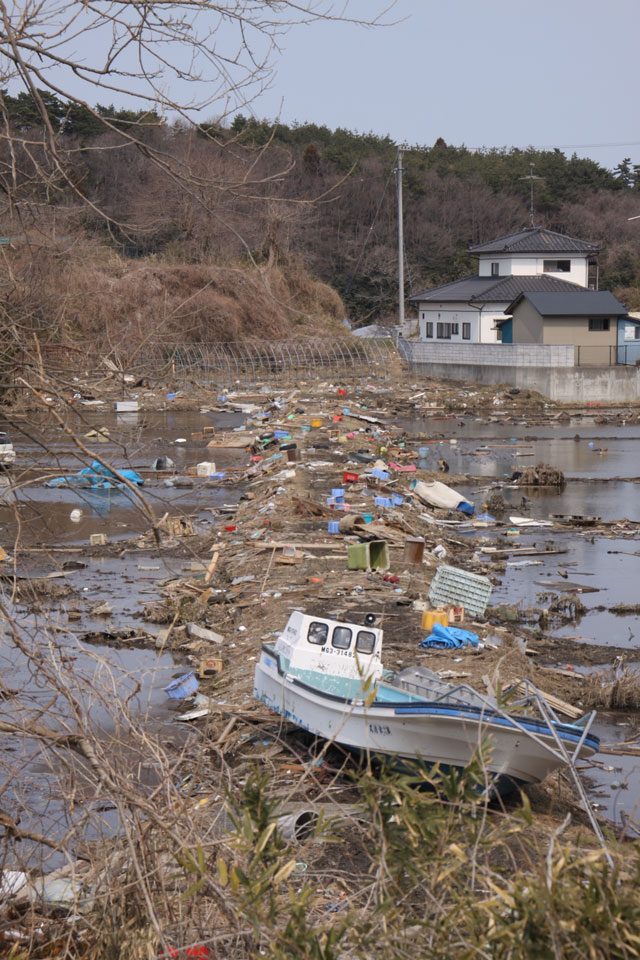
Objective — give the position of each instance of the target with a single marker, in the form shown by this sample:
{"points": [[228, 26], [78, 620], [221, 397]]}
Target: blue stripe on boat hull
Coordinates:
{"points": [[563, 730]]}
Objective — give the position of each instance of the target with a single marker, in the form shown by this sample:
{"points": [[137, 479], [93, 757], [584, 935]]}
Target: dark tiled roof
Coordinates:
{"points": [[587, 303], [477, 289], [535, 240]]}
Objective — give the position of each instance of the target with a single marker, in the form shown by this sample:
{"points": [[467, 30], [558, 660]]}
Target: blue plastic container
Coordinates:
{"points": [[282, 434], [397, 499], [337, 492], [182, 687], [333, 526], [380, 474], [368, 517], [383, 501]]}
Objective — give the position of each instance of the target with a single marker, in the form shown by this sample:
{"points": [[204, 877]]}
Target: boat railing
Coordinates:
{"points": [[585, 722]]}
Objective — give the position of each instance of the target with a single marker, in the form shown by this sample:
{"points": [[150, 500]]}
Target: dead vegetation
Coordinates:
{"points": [[88, 293], [542, 475], [617, 688], [174, 843]]}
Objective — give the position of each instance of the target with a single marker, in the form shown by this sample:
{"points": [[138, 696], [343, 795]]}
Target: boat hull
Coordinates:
{"points": [[430, 731]]}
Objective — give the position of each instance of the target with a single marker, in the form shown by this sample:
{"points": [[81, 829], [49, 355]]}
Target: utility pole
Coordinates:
{"points": [[400, 241], [531, 177]]}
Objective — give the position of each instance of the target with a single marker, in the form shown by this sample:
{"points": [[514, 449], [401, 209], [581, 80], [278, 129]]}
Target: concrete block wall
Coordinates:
{"points": [[494, 354], [559, 381]]}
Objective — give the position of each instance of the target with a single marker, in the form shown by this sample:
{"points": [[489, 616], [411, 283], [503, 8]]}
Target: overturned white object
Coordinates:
{"points": [[438, 494], [528, 522]]}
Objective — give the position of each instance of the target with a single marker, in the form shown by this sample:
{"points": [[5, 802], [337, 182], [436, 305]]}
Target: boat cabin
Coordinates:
{"points": [[324, 651]]}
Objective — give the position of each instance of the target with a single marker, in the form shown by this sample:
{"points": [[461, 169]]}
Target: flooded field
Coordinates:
{"points": [[54, 526], [73, 583]]}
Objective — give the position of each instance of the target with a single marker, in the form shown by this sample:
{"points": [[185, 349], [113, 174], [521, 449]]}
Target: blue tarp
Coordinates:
{"points": [[449, 638], [94, 477]]}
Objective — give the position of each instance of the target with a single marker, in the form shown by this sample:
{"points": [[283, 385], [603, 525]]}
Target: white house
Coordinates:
{"points": [[533, 260]]}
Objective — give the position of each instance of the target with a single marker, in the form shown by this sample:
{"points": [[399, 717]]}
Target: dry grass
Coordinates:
{"points": [[84, 291], [615, 689]]}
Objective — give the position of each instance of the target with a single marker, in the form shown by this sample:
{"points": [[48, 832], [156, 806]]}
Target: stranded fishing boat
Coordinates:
{"points": [[327, 677]]}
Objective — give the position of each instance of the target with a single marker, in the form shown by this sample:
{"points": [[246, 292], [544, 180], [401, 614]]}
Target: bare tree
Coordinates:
{"points": [[178, 58]]}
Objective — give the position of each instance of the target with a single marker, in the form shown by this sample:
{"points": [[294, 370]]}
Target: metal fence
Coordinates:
{"points": [[627, 354], [225, 363]]}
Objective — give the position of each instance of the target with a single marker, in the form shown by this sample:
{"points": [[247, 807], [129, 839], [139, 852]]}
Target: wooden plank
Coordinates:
{"points": [[521, 551], [231, 443], [279, 544], [561, 706]]}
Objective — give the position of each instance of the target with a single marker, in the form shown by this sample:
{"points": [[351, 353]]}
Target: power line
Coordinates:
{"points": [[571, 146]]}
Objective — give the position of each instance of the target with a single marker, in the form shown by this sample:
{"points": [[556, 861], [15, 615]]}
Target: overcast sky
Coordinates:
{"points": [[476, 72]]}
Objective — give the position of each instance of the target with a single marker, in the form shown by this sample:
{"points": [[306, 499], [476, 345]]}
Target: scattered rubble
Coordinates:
{"points": [[541, 475], [337, 510]]}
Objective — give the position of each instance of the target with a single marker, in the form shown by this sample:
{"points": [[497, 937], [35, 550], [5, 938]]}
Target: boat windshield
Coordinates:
{"points": [[365, 641], [341, 638], [317, 632]]}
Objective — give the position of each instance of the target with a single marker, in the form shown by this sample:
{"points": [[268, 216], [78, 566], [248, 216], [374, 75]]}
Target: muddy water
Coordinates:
{"points": [[581, 448], [74, 672], [136, 441], [128, 581], [599, 462], [614, 781]]}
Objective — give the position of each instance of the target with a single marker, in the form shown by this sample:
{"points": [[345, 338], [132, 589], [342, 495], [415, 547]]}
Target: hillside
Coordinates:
{"points": [[256, 229]]}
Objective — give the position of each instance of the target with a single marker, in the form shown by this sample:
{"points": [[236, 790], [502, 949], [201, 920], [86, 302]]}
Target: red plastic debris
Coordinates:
{"points": [[341, 392], [348, 477], [198, 951], [391, 578]]}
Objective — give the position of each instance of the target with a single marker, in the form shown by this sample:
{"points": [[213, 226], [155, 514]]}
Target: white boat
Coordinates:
{"points": [[326, 676], [7, 453]]}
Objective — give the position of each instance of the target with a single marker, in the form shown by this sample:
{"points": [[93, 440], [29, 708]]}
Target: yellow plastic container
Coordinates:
{"points": [[316, 423], [429, 617]]}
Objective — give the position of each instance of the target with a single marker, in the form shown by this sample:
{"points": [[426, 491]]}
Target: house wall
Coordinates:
{"points": [[447, 313], [628, 341], [483, 321], [531, 266], [527, 324], [576, 331], [488, 319]]}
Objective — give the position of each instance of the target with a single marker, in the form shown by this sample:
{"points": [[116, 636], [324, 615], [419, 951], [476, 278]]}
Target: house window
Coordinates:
{"points": [[455, 329], [466, 331], [556, 266], [495, 269], [599, 324], [443, 331], [429, 330], [632, 331]]}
